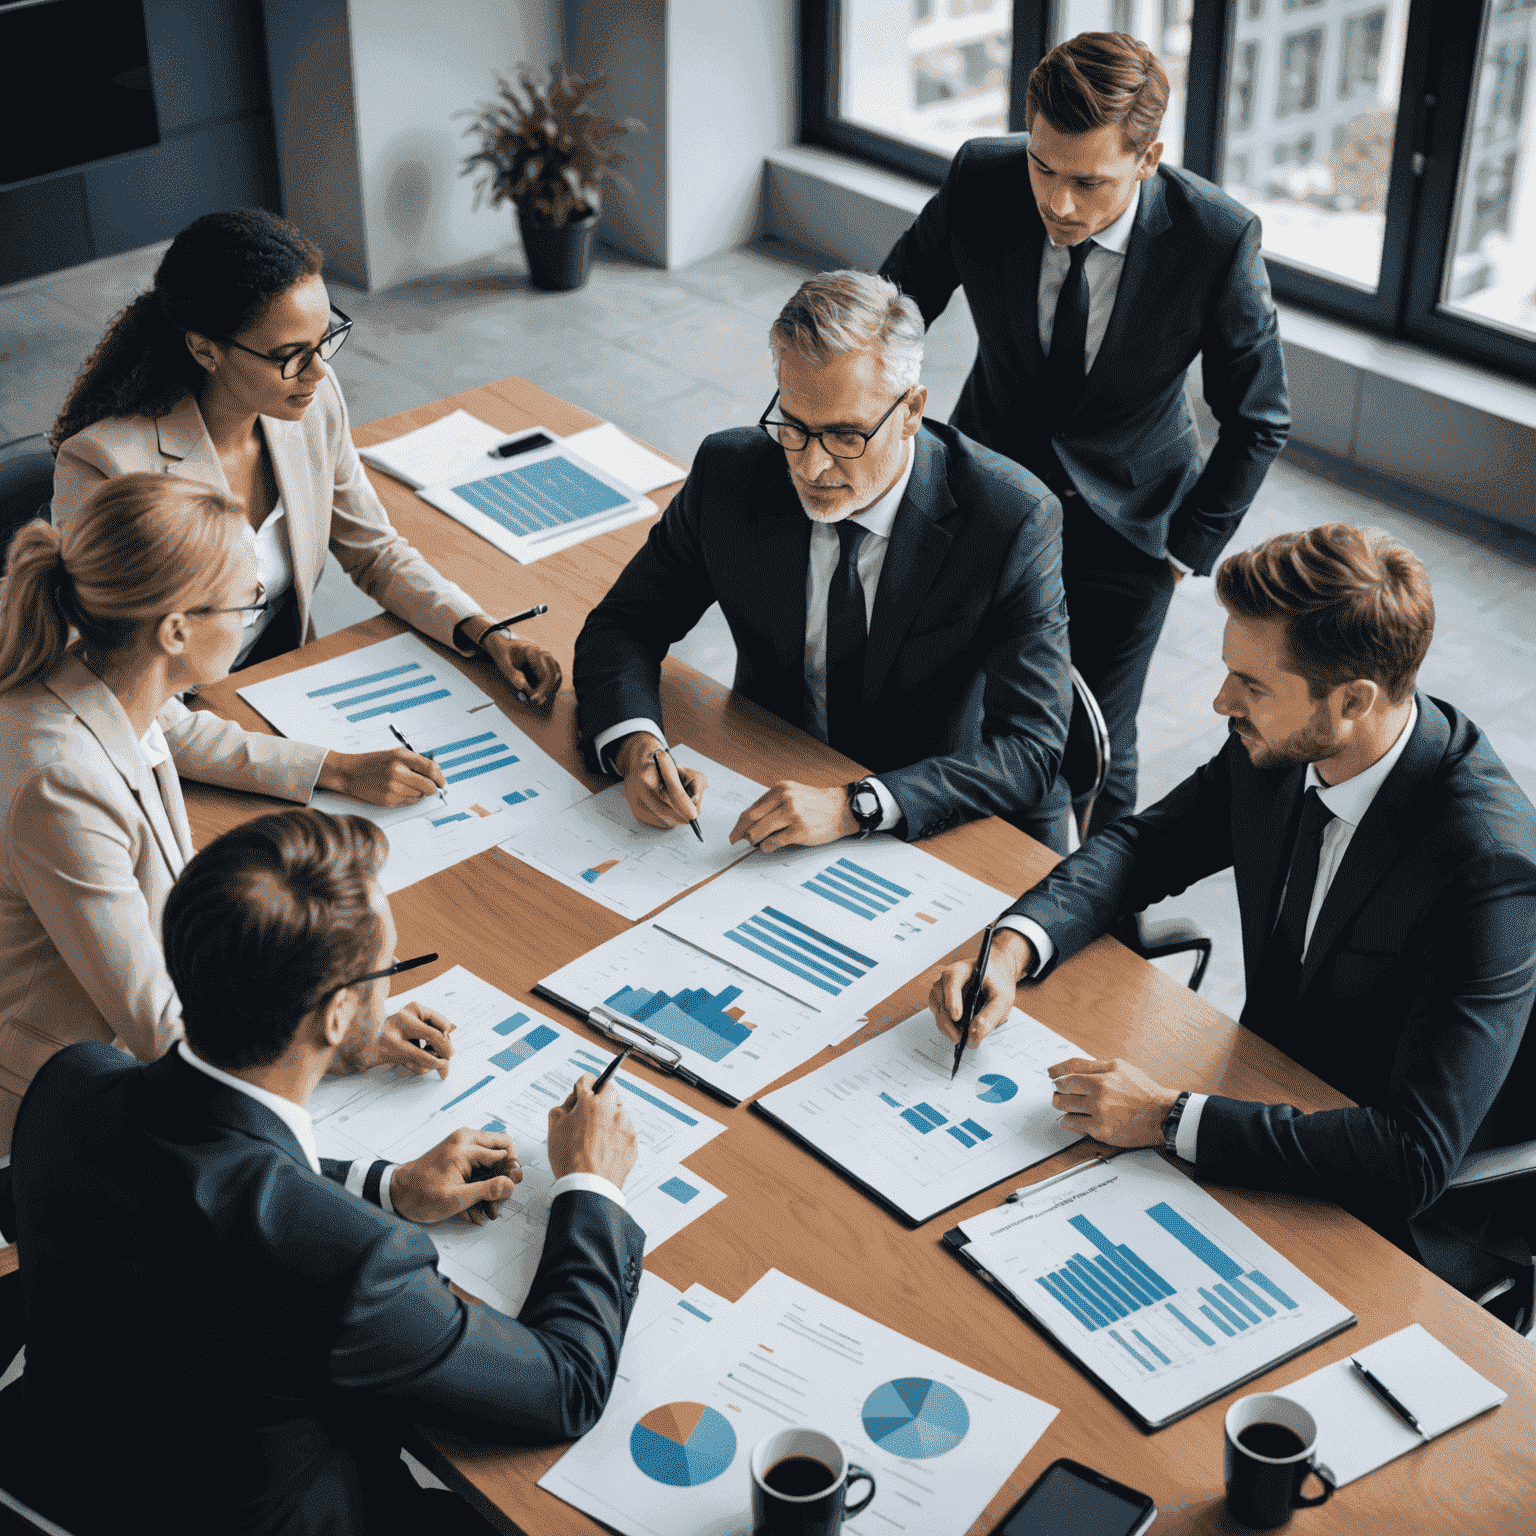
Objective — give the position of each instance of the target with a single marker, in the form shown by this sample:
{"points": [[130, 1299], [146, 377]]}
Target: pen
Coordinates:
{"points": [[517, 618], [442, 794], [1380, 1389], [612, 1067], [656, 764], [972, 998]]}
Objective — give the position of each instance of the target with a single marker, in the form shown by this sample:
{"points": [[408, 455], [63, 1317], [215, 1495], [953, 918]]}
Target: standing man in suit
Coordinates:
{"points": [[1386, 879], [1096, 276], [892, 588], [240, 1331]]}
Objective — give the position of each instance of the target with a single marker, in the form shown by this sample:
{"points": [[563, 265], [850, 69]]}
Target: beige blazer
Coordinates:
{"points": [[91, 841], [328, 500]]}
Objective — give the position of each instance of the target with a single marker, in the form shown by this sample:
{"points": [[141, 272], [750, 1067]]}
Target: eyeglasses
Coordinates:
{"points": [[292, 364], [393, 970], [256, 609], [845, 443]]}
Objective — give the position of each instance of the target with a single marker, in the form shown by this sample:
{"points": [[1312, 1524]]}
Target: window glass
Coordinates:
{"points": [[1491, 271], [930, 72], [1311, 112], [1163, 25]]}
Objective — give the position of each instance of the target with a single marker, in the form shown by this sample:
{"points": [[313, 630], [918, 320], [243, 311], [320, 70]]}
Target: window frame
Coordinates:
{"points": [[1435, 106]]}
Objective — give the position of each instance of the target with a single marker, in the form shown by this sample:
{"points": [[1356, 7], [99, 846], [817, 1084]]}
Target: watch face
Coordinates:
{"points": [[865, 802]]}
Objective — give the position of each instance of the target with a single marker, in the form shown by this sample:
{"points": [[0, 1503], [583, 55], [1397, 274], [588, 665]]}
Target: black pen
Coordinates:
{"points": [[517, 618], [656, 764], [442, 794], [612, 1067], [1381, 1390], [973, 997]]}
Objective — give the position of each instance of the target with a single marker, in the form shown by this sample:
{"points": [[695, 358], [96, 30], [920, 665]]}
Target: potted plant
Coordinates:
{"points": [[547, 156]]}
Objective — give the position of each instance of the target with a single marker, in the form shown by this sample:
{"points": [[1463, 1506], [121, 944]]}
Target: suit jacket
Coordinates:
{"points": [[1193, 284], [327, 498], [967, 686], [91, 841], [1417, 983], [222, 1327]]}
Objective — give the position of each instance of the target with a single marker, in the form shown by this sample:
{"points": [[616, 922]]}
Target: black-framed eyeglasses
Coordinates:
{"points": [[256, 609], [845, 443], [292, 364], [393, 970]]}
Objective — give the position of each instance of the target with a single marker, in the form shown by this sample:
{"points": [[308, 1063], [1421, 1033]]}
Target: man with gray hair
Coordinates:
{"points": [[892, 587]]}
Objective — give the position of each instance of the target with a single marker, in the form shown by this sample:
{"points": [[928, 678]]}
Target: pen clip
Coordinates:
{"points": [[658, 1052]]}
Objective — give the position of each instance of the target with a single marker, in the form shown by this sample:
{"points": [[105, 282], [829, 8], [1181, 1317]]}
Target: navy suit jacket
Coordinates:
{"points": [[1417, 983], [213, 1328], [1193, 284], [967, 684]]}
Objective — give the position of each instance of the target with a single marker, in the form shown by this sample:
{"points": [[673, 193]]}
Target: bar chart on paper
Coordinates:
{"points": [[498, 780], [835, 929], [1151, 1281], [735, 1033]]}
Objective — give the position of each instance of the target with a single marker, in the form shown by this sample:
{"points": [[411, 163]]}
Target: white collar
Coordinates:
{"points": [[153, 746], [1350, 800], [294, 1116], [879, 518], [1115, 237]]}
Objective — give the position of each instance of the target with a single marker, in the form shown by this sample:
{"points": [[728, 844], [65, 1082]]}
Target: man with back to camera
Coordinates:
{"points": [[1095, 276], [1386, 880], [892, 588], [217, 1321]]}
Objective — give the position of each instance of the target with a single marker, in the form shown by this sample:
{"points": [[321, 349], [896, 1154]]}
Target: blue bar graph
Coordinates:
{"points": [[494, 1125], [916, 1121], [1196, 1241], [679, 1189], [1147, 1343], [362, 682], [442, 821], [802, 950], [439, 753], [398, 705], [1224, 1310], [836, 880], [380, 693], [1242, 1309], [520, 1050], [475, 1089], [977, 1131], [470, 757], [1230, 1333], [1127, 1348], [688, 1306], [889, 1100], [1199, 1333], [510, 1026], [930, 1113], [1273, 1289], [631, 1086], [505, 761], [828, 892], [879, 880], [1059, 1292], [1248, 1296], [1124, 1260], [960, 1136], [706, 1022], [519, 795]]}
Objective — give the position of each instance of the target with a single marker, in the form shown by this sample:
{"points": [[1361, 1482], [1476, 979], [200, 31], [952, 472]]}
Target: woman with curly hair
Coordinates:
{"points": [[219, 374]]}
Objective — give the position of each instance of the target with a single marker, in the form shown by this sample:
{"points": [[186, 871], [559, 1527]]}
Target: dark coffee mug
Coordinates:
{"points": [[1271, 1447], [822, 1507]]}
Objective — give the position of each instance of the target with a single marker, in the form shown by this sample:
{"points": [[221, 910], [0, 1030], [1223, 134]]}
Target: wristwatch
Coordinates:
{"points": [[864, 804], [1171, 1124]]}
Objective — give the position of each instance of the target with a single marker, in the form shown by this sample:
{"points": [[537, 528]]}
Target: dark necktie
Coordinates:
{"points": [[1280, 966], [1065, 367], [847, 635]]}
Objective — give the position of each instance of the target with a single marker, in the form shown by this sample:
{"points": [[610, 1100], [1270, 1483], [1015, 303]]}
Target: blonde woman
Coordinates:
{"points": [[153, 579]]}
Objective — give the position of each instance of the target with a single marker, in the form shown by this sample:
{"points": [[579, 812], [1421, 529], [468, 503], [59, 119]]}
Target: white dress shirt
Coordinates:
{"points": [[877, 519], [1102, 267], [274, 569]]}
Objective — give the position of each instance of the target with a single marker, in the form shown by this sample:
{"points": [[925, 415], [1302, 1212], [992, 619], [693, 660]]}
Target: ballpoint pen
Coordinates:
{"points": [[517, 618], [656, 764], [1382, 1391], [442, 794], [612, 1067], [972, 998]]}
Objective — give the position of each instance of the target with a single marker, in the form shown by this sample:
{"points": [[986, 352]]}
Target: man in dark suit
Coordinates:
{"points": [[227, 1334], [1095, 277], [1386, 877], [891, 587]]}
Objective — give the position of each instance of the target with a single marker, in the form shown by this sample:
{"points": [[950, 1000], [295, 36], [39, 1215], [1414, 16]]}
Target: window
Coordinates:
{"points": [[1300, 55], [1360, 65], [1245, 82]]}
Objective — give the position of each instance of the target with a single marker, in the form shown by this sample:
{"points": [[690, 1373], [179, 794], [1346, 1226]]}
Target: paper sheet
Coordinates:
{"points": [[616, 451], [499, 779], [939, 1437], [1163, 1293], [455, 444], [841, 926], [511, 1066], [734, 1033], [597, 847], [888, 1113], [1357, 1432]]}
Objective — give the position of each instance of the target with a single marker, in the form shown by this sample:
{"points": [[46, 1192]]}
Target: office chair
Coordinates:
{"points": [[1085, 767], [26, 485]]}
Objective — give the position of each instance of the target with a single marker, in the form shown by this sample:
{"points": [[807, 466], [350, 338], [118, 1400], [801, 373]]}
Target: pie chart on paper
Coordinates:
{"points": [[916, 1418], [996, 1089], [682, 1444]]}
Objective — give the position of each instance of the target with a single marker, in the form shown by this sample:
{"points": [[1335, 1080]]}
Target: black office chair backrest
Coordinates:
{"points": [[1085, 761], [26, 485]]}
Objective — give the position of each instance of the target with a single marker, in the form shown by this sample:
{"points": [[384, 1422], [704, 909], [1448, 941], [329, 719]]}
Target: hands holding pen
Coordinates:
{"points": [[534, 674], [660, 794]]}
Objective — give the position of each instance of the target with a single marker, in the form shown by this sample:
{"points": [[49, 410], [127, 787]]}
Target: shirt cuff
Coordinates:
{"points": [[1037, 936], [1178, 564], [614, 733], [890, 812], [374, 1172], [384, 1179], [591, 1183], [1187, 1136]]}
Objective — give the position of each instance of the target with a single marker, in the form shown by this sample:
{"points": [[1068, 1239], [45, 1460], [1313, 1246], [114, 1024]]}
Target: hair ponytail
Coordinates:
{"points": [[34, 633], [218, 277]]}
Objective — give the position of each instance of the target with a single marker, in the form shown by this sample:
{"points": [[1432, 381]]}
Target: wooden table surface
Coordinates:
{"points": [[787, 1210]]}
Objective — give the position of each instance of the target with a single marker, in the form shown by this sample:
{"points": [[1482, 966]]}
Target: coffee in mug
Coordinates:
{"points": [[799, 1477], [1271, 1448], [800, 1482]]}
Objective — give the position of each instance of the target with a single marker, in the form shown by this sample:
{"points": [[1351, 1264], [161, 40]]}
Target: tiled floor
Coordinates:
{"points": [[672, 356]]}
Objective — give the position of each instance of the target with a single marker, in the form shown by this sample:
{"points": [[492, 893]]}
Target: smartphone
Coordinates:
{"points": [[1069, 1499], [520, 445]]}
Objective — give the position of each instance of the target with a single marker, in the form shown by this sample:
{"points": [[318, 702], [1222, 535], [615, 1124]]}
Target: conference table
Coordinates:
{"points": [[787, 1210]]}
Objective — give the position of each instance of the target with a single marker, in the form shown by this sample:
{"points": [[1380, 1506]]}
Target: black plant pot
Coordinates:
{"points": [[558, 258]]}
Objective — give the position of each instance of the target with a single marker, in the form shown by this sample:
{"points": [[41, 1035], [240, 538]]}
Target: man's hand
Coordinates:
{"points": [[592, 1134], [1178, 575], [455, 1176], [531, 670], [1112, 1101], [796, 816], [1012, 955], [395, 777], [660, 794], [416, 1038]]}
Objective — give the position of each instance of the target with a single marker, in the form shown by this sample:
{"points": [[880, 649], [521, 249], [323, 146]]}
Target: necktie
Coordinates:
{"points": [[1281, 963], [847, 635], [1066, 366]]}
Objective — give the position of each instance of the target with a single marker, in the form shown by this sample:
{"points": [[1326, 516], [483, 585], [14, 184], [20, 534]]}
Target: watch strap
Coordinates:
{"points": [[1171, 1124], [867, 820]]}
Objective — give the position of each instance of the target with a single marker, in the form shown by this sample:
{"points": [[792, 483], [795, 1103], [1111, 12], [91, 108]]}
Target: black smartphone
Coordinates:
{"points": [[1069, 1499], [520, 445]]}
